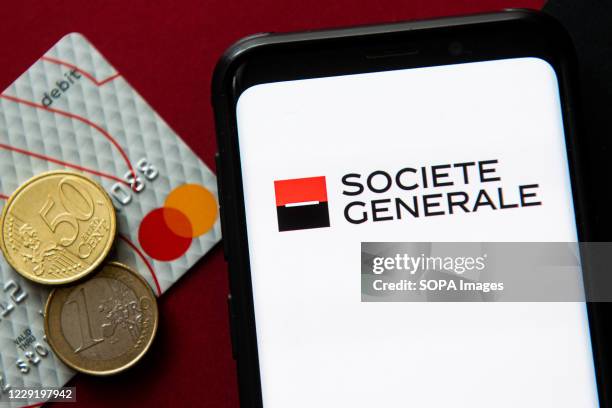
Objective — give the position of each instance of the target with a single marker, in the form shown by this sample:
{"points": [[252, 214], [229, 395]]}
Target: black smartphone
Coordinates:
{"points": [[328, 139]]}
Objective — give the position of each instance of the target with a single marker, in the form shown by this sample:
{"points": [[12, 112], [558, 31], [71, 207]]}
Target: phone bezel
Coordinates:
{"points": [[267, 58]]}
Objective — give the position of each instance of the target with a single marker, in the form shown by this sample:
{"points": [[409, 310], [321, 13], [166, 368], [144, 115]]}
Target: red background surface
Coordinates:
{"points": [[167, 50]]}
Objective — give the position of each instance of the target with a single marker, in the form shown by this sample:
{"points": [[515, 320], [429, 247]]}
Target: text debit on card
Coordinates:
{"points": [[72, 110]]}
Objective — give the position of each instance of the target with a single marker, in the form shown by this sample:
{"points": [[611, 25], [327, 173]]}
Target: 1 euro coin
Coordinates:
{"points": [[105, 324]]}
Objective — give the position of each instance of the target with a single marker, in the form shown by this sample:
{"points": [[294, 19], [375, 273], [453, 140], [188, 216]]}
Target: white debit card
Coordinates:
{"points": [[73, 110]]}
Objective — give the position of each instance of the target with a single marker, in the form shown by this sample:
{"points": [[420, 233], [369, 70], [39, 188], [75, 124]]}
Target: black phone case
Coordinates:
{"points": [[224, 97]]}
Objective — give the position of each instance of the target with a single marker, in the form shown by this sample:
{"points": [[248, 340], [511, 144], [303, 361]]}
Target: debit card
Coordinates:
{"points": [[73, 110]]}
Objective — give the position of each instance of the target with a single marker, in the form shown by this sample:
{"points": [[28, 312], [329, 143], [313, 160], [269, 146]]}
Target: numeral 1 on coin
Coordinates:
{"points": [[87, 339]]}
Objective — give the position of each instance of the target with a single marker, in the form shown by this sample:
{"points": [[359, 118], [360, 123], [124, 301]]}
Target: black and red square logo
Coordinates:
{"points": [[301, 203]]}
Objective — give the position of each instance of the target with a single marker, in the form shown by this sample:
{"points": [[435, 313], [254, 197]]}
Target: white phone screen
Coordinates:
{"points": [[319, 345]]}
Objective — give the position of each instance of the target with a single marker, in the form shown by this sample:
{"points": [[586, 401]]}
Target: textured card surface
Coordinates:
{"points": [[73, 110]]}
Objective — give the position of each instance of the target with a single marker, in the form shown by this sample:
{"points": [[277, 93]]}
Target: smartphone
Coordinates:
{"points": [[318, 130]]}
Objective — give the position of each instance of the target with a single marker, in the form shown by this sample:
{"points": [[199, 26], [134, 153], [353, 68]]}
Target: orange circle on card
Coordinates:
{"points": [[199, 206]]}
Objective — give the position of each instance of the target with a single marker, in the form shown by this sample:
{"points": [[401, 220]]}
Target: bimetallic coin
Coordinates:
{"points": [[57, 227], [103, 325]]}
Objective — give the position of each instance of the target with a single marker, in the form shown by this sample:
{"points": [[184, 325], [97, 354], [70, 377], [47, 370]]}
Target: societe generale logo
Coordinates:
{"points": [[301, 203]]}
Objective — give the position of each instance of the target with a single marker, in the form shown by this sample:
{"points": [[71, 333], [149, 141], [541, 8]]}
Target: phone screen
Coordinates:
{"points": [[322, 162]]}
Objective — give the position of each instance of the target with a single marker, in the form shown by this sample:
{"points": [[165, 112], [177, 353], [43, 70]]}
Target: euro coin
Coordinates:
{"points": [[57, 227], [103, 325]]}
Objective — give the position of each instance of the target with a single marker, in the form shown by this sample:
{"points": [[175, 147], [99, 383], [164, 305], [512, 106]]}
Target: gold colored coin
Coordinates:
{"points": [[57, 227], [105, 324]]}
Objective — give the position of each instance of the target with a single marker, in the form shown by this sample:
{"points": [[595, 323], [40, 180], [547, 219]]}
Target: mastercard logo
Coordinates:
{"points": [[166, 233]]}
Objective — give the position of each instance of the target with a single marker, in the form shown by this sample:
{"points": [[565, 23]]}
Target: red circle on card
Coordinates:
{"points": [[160, 241]]}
